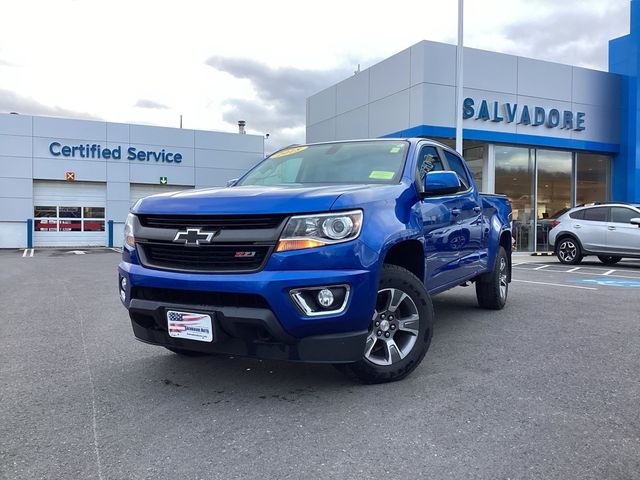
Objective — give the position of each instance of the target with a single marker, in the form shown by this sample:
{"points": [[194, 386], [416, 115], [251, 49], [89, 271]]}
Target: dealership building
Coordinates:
{"points": [[72, 182], [548, 135]]}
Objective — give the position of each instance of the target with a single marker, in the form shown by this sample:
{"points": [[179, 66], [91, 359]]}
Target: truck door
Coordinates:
{"points": [[471, 245], [439, 226]]}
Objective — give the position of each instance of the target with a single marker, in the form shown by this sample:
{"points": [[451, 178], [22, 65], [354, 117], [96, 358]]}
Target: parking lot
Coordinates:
{"points": [[546, 388]]}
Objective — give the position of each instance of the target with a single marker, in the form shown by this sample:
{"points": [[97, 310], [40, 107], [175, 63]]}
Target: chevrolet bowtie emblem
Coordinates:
{"points": [[193, 237]]}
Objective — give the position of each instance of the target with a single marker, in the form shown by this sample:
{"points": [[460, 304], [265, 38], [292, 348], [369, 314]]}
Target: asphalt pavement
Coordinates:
{"points": [[547, 388]]}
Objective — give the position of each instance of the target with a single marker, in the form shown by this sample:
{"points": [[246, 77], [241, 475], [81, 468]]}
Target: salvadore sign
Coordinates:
{"points": [[522, 114], [97, 152]]}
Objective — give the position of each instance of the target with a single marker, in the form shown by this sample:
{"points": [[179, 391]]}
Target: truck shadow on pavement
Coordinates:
{"points": [[219, 380]]}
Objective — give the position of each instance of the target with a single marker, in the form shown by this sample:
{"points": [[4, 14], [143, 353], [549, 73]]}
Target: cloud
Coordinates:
{"points": [[145, 103], [279, 107], [572, 32], [14, 102]]}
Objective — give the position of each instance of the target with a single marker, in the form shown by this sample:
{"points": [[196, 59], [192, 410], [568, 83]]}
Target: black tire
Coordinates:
{"points": [[405, 345], [492, 288], [569, 251], [186, 353], [609, 259]]}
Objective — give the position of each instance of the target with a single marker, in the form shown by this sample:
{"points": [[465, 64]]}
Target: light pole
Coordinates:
{"points": [[459, 52]]}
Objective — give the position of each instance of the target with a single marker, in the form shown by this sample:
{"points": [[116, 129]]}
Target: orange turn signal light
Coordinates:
{"points": [[284, 245]]}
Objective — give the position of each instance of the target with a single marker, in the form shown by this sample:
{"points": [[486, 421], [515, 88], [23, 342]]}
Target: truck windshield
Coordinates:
{"points": [[332, 163]]}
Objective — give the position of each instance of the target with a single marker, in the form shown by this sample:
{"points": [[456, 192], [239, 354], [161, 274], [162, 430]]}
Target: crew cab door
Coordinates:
{"points": [[622, 236], [440, 225], [471, 245]]}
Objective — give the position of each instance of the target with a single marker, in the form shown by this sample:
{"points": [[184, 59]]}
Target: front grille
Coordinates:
{"points": [[227, 222], [196, 297], [204, 258]]}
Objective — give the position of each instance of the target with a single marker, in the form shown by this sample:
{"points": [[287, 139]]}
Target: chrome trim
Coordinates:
{"points": [[299, 301]]}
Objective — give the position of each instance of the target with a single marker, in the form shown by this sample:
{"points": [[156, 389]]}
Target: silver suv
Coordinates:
{"points": [[609, 230]]}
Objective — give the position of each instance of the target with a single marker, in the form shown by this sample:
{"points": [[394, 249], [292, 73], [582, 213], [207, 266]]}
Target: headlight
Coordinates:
{"points": [[128, 231], [307, 231]]}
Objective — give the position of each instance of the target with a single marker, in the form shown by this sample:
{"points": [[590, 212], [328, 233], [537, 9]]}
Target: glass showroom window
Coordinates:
{"points": [[473, 153], [593, 178], [515, 178]]}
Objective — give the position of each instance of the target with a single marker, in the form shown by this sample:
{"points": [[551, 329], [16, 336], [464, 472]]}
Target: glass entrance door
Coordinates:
{"points": [[515, 178], [553, 193]]}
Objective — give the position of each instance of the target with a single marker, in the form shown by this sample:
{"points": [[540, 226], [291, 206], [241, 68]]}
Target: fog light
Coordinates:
{"points": [[327, 300], [325, 297]]}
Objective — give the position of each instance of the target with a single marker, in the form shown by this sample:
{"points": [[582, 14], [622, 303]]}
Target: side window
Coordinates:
{"points": [[579, 215], [456, 164], [598, 214], [428, 161], [623, 215]]}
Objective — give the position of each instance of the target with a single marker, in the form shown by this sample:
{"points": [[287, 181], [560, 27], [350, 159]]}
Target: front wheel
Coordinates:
{"points": [[569, 251], [400, 330], [492, 287], [609, 259]]}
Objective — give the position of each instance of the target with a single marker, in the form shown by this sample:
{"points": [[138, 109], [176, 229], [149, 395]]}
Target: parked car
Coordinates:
{"points": [[321, 253], [610, 231]]}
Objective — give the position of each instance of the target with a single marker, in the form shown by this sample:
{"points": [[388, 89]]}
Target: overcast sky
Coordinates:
{"points": [[138, 61]]}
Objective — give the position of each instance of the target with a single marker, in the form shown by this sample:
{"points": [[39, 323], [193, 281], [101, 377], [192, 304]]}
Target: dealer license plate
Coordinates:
{"points": [[190, 325]]}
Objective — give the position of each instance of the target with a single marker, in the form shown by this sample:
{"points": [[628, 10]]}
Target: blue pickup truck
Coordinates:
{"points": [[326, 252]]}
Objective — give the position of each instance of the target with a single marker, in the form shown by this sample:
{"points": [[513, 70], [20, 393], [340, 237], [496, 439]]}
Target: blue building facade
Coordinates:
{"points": [[624, 59]]}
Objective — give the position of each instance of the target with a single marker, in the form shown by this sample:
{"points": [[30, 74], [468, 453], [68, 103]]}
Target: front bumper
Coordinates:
{"points": [[270, 328]]}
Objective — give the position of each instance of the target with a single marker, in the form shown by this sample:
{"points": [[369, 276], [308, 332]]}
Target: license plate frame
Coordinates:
{"points": [[196, 326]]}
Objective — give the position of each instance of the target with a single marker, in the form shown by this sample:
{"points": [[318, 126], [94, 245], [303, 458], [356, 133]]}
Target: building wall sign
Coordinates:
{"points": [[523, 114], [95, 151]]}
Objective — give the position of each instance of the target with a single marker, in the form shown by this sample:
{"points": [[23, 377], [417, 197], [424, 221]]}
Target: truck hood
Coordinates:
{"points": [[246, 200]]}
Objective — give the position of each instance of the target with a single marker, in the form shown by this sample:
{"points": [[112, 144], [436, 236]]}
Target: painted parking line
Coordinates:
{"points": [[541, 267], [553, 284], [28, 252], [631, 274]]}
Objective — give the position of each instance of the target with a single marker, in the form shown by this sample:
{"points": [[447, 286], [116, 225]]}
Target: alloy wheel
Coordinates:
{"points": [[503, 278], [394, 327], [567, 251]]}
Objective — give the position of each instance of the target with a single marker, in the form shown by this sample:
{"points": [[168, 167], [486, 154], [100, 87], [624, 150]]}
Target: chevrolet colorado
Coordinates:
{"points": [[325, 252]]}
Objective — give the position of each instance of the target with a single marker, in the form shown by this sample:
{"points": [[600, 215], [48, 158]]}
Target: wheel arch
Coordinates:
{"points": [[564, 235], [408, 254]]}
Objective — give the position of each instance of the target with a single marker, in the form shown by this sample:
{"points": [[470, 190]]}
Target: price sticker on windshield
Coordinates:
{"points": [[288, 151], [381, 175]]}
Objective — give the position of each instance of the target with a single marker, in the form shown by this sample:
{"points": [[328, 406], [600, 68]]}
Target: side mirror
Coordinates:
{"points": [[635, 221], [232, 182], [440, 183]]}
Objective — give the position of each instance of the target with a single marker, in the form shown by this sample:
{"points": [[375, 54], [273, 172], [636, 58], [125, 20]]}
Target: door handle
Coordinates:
{"points": [[455, 211], [611, 228], [477, 209]]}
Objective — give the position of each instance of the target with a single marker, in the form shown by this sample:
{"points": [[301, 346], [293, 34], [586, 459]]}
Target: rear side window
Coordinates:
{"points": [[428, 161], [456, 164], [579, 215], [598, 214], [623, 215]]}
